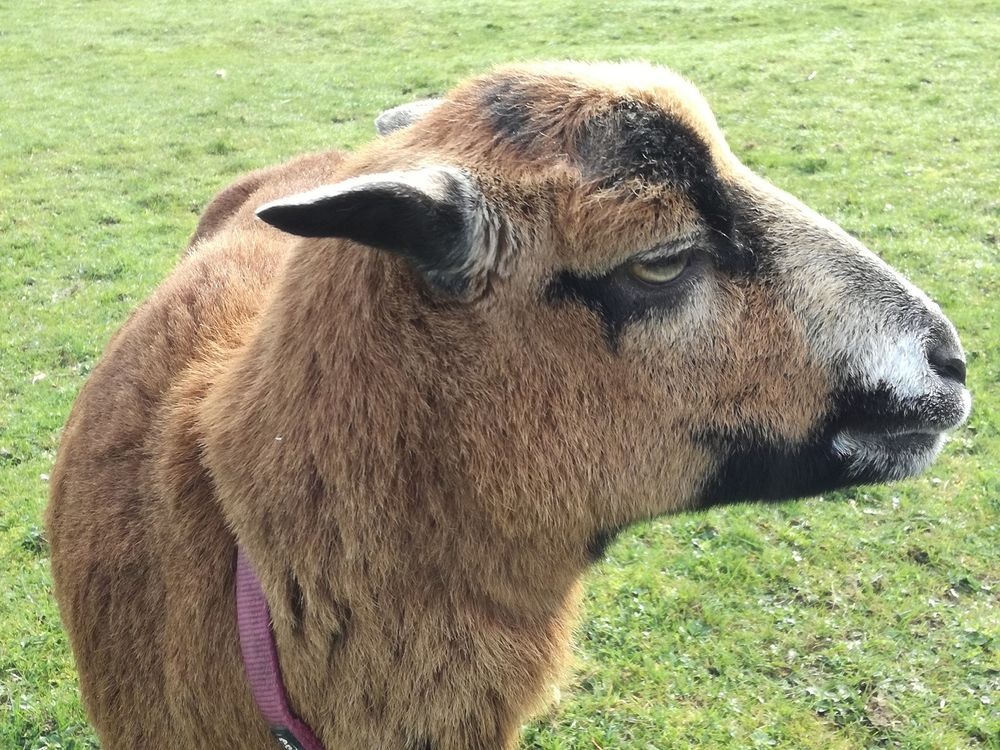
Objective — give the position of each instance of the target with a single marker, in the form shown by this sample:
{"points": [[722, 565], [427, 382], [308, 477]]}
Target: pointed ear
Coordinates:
{"points": [[434, 216], [403, 116]]}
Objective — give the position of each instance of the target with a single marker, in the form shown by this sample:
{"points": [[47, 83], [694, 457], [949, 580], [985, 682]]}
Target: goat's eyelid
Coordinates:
{"points": [[658, 252], [666, 250], [673, 248]]}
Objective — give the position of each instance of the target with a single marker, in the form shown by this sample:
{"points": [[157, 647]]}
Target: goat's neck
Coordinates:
{"points": [[386, 517]]}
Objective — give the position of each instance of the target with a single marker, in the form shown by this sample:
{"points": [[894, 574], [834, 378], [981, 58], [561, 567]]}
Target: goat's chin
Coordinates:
{"points": [[886, 457], [752, 468]]}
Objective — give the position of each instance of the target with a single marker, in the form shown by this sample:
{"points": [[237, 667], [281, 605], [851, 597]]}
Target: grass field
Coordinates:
{"points": [[865, 619]]}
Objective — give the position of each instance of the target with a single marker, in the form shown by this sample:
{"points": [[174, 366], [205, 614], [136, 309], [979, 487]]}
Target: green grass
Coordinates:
{"points": [[868, 619]]}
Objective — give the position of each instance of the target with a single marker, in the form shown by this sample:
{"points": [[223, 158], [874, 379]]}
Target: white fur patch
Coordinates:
{"points": [[899, 364]]}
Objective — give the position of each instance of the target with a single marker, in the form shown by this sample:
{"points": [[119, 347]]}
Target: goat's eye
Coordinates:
{"points": [[661, 270]]}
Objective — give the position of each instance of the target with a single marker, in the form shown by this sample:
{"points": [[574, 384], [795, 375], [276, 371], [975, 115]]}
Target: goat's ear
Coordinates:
{"points": [[403, 116], [434, 216]]}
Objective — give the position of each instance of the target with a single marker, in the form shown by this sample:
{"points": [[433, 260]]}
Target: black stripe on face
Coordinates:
{"points": [[619, 299], [880, 409], [636, 141], [633, 142]]}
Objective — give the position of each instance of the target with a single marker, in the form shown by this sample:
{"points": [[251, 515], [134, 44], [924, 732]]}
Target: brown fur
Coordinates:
{"points": [[417, 480]]}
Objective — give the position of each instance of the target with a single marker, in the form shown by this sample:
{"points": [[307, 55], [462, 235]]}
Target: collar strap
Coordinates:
{"points": [[260, 658]]}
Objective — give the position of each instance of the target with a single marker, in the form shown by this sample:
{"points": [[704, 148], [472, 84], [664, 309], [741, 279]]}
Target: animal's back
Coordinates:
{"points": [[131, 504]]}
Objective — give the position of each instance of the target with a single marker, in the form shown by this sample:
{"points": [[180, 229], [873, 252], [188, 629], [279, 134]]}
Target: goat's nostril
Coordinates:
{"points": [[954, 368], [946, 365]]}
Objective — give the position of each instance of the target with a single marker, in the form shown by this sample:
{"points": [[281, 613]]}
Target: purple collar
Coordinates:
{"points": [[260, 657]]}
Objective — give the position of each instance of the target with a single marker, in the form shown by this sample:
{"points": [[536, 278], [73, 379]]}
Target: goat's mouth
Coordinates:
{"points": [[868, 437], [880, 437], [752, 467]]}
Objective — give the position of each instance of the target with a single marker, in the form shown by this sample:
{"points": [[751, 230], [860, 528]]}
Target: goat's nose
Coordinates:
{"points": [[945, 358]]}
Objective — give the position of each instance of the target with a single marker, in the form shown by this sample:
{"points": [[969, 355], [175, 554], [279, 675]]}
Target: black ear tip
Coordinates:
{"points": [[269, 212], [290, 218]]}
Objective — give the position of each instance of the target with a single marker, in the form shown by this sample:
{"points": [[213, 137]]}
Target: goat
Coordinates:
{"points": [[423, 385]]}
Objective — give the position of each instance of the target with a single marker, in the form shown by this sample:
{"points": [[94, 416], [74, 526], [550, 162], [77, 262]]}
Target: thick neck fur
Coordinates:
{"points": [[387, 523]]}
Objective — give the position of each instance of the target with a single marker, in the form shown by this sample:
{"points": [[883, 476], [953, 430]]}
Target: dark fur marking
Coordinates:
{"points": [[598, 545], [336, 639], [754, 467], [879, 409], [316, 487], [634, 141], [619, 299], [296, 603], [421, 744], [508, 105]]}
